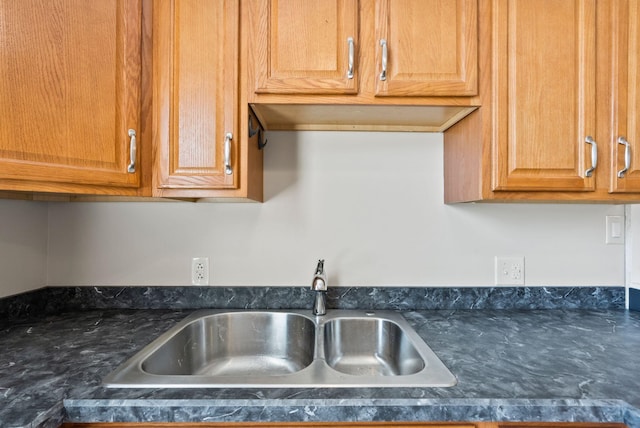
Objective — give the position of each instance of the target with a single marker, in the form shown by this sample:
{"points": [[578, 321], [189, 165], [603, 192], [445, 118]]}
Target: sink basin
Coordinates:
{"points": [[236, 344], [344, 348], [371, 347]]}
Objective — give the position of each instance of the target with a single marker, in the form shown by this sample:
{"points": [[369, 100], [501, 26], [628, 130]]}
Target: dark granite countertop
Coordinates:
{"points": [[553, 365]]}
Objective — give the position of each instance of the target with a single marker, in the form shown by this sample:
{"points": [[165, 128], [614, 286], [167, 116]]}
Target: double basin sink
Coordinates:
{"points": [[344, 348]]}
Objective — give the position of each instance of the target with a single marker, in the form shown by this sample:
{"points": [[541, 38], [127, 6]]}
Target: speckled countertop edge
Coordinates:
{"points": [[185, 410]]}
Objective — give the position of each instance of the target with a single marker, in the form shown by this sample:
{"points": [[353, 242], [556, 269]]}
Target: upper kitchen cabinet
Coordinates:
{"points": [[625, 91], [426, 48], [201, 135], [70, 96], [307, 47], [362, 64], [559, 89], [546, 94]]}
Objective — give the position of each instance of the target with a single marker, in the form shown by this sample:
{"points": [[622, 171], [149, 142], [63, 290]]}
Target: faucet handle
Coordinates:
{"points": [[319, 282]]}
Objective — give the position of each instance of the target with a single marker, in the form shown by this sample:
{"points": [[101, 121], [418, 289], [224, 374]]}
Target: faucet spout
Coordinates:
{"points": [[320, 303], [319, 285]]}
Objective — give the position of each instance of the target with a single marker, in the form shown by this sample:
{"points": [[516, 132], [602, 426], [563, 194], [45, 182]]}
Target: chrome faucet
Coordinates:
{"points": [[319, 285]]}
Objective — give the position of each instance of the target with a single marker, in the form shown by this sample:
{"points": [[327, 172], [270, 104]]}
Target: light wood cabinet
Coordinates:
{"points": [[558, 87], [625, 89], [362, 64], [307, 47], [428, 47], [83, 81], [70, 95], [431, 47], [545, 94], [200, 132]]}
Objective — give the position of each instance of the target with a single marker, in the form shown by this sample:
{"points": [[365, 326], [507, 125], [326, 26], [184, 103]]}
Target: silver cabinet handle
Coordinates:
{"points": [[383, 73], [132, 152], [227, 153], [352, 55], [594, 156], [627, 156]]}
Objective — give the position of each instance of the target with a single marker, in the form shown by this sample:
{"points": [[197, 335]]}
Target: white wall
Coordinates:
{"points": [[633, 246], [369, 203], [23, 246]]}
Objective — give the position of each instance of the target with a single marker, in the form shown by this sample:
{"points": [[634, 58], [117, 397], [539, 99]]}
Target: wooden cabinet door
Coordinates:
{"points": [[544, 94], [625, 71], [69, 91], [195, 72], [307, 47], [431, 47]]}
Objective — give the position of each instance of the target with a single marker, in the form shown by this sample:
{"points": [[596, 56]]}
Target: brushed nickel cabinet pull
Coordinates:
{"points": [[627, 156], [351, 57], [227, 153], [383, 73], [132, 152], [594, 156]]}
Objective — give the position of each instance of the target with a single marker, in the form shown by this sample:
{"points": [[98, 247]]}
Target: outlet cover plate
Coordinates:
{"points": [[200, 271], [509, 270], [615, 229]]}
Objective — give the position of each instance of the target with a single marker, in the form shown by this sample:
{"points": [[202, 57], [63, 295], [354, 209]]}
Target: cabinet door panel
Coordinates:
{"points": [[626, 88], [195, 64], [432, 47], [544, 113], [302, 46], [69, 91]]}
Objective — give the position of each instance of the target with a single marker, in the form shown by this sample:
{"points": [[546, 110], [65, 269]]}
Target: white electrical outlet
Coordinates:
{"points": [[509, 270], [200, 271]]}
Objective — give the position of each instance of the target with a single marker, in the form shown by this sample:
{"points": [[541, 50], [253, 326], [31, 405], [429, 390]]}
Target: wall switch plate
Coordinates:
{"points": [[200, 271], [509, 270], [615, 229]]}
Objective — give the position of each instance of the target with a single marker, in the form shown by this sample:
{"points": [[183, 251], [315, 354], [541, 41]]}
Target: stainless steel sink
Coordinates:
{"points": [[236, 344], [370, 347], [344, 348]]}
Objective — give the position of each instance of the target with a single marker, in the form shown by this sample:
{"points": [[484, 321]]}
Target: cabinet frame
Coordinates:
{"points": [[472, 146], [436, 108]]}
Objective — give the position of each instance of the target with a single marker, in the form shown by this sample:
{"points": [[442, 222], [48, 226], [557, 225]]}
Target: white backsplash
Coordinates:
{"points": [[368, 203]]}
